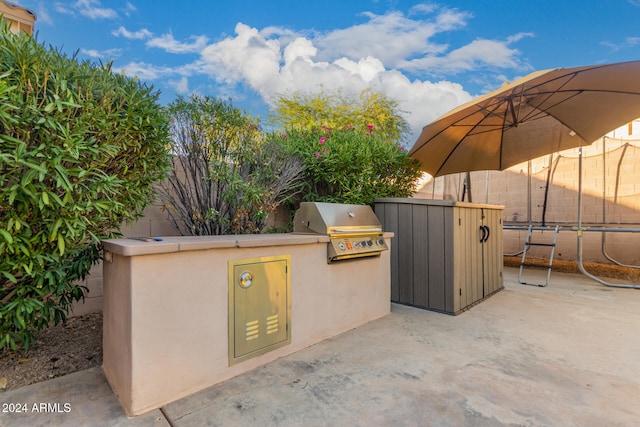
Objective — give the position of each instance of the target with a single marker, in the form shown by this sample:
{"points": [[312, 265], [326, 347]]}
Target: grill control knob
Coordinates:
{"points": [[381, 242], [369, 243], [342, 246]]}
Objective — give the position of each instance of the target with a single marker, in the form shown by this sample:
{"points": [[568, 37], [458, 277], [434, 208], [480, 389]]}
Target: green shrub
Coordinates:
{"points": [[335, 110], [350, 166], [228, 175], [80, 148]]}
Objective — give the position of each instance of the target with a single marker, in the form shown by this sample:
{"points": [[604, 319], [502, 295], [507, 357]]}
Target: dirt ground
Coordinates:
{"points": [[59, 350], [77, 344], [610, 271]]}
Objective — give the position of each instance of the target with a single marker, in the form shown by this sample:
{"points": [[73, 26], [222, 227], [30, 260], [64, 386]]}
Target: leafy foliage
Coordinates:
{"points": [[80, 148], [351, 148], [350, 166], [228, 176], [334, 110]]}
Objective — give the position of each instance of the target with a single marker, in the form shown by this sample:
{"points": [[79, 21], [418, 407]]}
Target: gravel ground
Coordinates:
{"points": [[59, 350]]}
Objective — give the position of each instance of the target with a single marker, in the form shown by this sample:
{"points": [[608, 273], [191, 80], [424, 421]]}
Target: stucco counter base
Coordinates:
{"points": [[166, 308]]}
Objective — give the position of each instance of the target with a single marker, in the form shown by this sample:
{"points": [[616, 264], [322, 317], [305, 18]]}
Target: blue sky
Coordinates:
{"points": [[430, 56]]}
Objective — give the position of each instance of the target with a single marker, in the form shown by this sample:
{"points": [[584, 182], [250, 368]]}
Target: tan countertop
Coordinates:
{"points": [[133, 246]]}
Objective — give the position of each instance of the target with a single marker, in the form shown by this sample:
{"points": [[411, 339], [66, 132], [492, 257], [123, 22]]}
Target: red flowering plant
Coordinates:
{"points": [[348, 165]]}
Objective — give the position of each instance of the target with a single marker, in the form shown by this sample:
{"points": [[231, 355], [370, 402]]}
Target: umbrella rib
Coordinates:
{"points": [[540, 111], [454, 124], [488, 111]]}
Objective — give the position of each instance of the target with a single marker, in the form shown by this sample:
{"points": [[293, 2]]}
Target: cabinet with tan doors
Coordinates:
{"points": [[445, 255]]}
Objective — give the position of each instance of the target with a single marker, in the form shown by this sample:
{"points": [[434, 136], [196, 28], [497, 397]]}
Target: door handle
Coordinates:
{"points": [[486, 232]]}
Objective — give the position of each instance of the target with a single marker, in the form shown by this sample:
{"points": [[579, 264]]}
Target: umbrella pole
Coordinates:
{"points": [[467, 187], [581, 230], [433, 188], [529, 220], [486, 188]]}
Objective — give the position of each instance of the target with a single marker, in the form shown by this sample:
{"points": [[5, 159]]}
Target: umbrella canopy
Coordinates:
{"points": [[544, 112]]}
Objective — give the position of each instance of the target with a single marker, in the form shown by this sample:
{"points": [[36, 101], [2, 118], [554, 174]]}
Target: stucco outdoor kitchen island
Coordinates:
{"points": [[169, 307]]}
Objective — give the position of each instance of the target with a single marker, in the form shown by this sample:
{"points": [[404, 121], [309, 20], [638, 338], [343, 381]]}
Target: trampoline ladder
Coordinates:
{"points": [[528, 244]]}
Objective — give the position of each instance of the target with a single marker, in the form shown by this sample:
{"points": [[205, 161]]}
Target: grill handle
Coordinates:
{"points": [[356, 230]]}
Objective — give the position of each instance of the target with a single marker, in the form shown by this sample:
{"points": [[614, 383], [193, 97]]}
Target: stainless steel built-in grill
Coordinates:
{"points": [[354, 230]]}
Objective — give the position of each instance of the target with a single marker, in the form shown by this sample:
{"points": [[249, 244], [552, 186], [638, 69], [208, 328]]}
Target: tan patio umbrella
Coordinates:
{"points": [[544, 112]]}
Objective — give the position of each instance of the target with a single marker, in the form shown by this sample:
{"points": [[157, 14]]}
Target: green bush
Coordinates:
{"points": [[80, 150], [335, 110], [228, 175], [351, 166]]}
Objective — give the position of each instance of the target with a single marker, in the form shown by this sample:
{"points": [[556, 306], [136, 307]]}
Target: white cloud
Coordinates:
{"points": [[627, 43], [145, 71], [89, 8], [91, 52], [43, 14], [273, 68], [478, 53], [165, 42], [517, 37], [105, 54], [129, 8], [169, 44], [422, 101], [63, 8], [247, 57], [423, 8], [181, 86], [393, 53], [632, 41], [391, 38], [134, 35], [368, 68], [92, 9]]}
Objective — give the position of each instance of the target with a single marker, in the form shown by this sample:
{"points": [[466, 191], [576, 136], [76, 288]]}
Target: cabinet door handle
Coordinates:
{"points": [[484, 233], [488, 233]]}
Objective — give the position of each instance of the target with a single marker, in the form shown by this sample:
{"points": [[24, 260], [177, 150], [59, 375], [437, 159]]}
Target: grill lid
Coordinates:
{"points": [[335, 218], [354, 230]]}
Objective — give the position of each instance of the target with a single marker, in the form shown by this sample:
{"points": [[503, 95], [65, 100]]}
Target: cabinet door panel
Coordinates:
{"points": [[492, 252], [438, 273], [468, 257], [405, 246], [420, 255]]}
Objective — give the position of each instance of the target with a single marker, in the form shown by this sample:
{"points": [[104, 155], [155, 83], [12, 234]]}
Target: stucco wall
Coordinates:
{"points": [[154, 223], [168, 302]]}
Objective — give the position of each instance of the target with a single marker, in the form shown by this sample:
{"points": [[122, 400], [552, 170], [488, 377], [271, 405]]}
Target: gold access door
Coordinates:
{"points": [[259, 306]]}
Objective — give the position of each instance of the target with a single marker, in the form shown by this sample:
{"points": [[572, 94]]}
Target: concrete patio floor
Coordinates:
{"points": [[565, 355]]}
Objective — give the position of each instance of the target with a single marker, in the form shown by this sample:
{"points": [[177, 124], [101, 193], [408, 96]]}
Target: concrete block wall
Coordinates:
{"points": [[610, 196]]}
